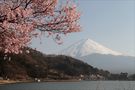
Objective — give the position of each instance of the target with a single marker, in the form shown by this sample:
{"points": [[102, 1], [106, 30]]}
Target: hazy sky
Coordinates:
{"points": [[108, 22]]}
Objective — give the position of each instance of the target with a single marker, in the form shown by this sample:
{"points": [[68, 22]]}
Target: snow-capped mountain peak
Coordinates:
{"points": [[87, 47]]}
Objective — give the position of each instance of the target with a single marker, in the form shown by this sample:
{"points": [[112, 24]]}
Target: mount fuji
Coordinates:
{"points": [[100, 56], [86, 47]]}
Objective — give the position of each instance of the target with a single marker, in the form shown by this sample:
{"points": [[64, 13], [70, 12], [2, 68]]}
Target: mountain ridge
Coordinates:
{"points": [[28, 66]]}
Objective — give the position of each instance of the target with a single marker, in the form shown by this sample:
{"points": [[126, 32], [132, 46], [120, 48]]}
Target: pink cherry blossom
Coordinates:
{"points": [[21, 20]]}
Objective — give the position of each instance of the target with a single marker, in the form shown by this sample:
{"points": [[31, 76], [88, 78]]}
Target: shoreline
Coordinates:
{"points": [[4, 82]]}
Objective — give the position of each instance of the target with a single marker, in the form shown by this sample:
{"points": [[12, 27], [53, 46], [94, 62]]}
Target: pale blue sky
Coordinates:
{"points": [[108, 22]]}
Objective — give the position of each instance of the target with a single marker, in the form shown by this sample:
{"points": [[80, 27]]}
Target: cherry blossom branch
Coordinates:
{"points": [[20, 20]]}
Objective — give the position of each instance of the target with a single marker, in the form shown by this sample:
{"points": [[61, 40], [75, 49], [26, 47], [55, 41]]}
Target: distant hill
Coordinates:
{"points": [[38, 65], [114, 64]]}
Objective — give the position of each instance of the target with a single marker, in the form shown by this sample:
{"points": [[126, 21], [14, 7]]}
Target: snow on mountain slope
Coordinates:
{"points": [[87, 47]]}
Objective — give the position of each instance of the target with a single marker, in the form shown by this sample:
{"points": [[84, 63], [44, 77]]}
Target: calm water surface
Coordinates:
{"points": [[82, 85]]}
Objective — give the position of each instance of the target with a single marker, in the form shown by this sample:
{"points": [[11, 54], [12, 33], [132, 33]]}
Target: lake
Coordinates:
{"points": [[82, 85]]}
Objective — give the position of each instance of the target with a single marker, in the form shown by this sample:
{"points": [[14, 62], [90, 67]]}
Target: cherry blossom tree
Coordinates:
{"points": [[22, 20]]}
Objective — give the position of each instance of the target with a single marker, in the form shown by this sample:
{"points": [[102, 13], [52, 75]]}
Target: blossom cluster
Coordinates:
{"points": [[20, 20]]}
